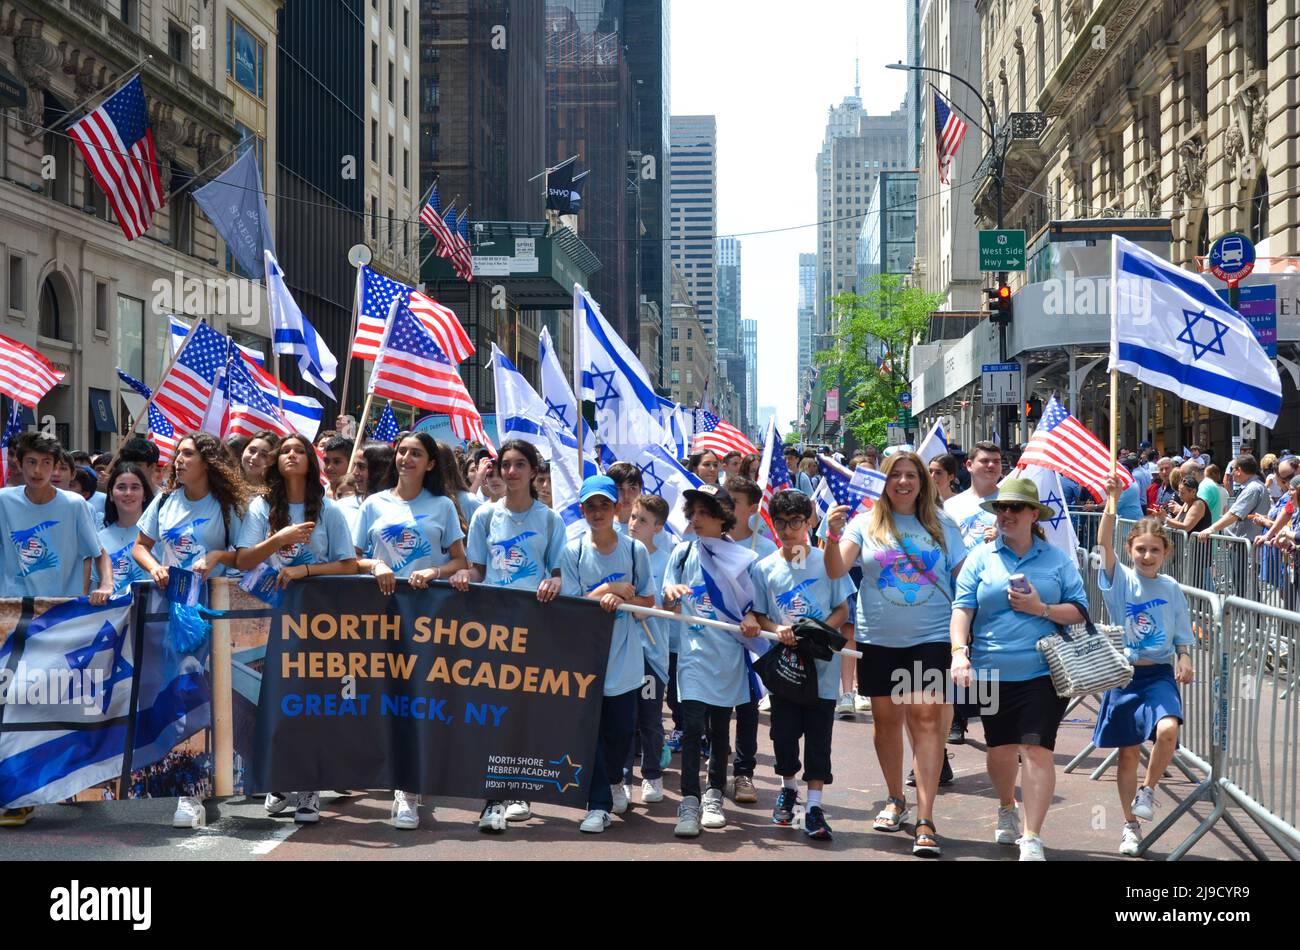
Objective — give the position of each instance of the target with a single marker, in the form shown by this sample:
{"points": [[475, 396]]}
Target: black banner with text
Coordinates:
{"points": [[486, 694]]}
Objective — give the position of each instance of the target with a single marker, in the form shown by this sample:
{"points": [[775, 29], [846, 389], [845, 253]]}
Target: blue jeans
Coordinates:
{"points": [[617, 726], [650, 727]]}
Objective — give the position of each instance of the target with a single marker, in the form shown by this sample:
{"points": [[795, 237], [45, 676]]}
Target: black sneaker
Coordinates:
{"points": [[957, 734], [783, 813], [945, 777], [814, 825]]}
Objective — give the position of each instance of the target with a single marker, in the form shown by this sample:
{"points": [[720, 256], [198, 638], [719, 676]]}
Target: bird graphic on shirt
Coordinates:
{"points": [[798, 607], [183, 541], [406, 541], [122, 564], [1142, 618], [33, 553], [606, 580], [509, 559]]}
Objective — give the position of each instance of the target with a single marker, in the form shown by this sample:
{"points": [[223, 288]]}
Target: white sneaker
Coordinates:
{"points": [[622, 797], [1144, 804], [189, 813], [652, 790], [713, 816], [492, 818], [597, 820], [1131, 839], [765, 704], [308, 812], [688, 818], [1008, 826], [862, 703], [406, 811], [846, 708], [276, 802], [1031, 849], [518, 811]]}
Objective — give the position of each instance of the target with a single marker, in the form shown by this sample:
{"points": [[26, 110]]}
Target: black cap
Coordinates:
{"points": [[714, 493]]}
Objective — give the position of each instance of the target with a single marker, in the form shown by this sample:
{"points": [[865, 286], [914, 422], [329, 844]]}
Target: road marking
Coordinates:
{"points": [[208, 837]]}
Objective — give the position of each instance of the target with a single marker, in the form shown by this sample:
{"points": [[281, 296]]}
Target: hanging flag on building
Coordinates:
{"points": [[559, 187], [431, 215], [1169, 329], [949, 130], [463, 261], [1062, 444], [25, 375], [234, 203]]}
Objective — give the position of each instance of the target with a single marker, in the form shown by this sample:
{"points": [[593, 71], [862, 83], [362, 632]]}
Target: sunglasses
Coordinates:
{"points": [[793, 524], [1015, 507]]}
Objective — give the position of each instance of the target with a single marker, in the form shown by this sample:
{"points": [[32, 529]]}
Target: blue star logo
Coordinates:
{"points": [[607, 380], [653, 484], [559, 413], [1058, 506], [1199, 348]]}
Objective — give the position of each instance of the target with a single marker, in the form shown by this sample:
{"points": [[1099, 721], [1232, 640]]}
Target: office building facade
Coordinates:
{"points": [[694, 186]]}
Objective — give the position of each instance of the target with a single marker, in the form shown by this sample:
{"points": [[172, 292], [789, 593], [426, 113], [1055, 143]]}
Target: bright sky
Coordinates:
{"points": [[769, 70]]}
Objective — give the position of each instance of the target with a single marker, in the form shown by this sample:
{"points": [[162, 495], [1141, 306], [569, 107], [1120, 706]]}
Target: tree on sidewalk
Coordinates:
{"points": [[874, 333]]}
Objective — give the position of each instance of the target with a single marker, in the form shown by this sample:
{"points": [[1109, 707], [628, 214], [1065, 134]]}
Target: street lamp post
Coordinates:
{"points": [[999, 157]]}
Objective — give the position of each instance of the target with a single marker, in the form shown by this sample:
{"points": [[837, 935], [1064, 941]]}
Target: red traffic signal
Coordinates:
{"points": [[999, 303]]}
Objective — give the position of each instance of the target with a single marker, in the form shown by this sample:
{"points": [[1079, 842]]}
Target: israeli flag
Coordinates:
{"points": [[1169, 329], [933, 445], [561, 405], [627, 408], [663, 475], [1058, 528], [294, 335], [66, 683], [677, 430], [725, 568]]}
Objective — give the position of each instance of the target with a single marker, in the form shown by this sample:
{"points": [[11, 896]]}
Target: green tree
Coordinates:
{"points": [[874, 333]]}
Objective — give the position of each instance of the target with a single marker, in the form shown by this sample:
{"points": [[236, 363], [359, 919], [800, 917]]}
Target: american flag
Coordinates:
{"points": [[412, 368], [377, 294], [860, 497], [161, 431], [25, 375], [386, 429], [13, 429], [1062, 444], [719, 436], [250, 410], [187, 389], [117, 145], [774, 474], [431, 215], [949, 129], [463, 259]]}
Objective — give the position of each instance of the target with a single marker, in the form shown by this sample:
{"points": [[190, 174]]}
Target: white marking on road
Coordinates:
{"points": [[208, 837], [279, 834]]}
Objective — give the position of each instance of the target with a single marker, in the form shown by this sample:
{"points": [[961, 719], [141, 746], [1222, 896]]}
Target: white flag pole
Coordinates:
{"points": [[707, 622], [577, 371], [358, 443]]}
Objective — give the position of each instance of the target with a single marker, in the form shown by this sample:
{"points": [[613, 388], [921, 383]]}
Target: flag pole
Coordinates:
{"points": [[577, 371], [106, 92], [370, 395], [352, 342], [1114, 436], [144, 413]]}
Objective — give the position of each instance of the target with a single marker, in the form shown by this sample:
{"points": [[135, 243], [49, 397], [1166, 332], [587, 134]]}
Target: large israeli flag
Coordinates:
{"points": [[627, 407], [294, 336], [1171, 330], [69, 675], [933, 445], [663, 475]]}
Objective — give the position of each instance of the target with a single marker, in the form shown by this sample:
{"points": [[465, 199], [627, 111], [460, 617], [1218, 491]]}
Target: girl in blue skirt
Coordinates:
{"points": [[1157, 637]]}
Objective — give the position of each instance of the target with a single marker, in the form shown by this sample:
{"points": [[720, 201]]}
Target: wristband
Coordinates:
{"points": [[1047, 611], [965, 650], [834, 538]]}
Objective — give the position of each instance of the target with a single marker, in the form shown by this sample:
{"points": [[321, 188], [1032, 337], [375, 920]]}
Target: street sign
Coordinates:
{"points": [[1258, 305], [1002, 250], [905, 400], [1232, 257], [1001, 384], [897, 434]]}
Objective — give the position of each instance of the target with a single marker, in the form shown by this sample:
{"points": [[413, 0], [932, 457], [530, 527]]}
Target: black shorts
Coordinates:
{"points": [[882, 670], [1027, 713]]}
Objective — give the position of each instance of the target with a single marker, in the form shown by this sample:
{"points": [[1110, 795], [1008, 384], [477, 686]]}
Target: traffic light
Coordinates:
{"points": [[1033, 409], [999, 303]]}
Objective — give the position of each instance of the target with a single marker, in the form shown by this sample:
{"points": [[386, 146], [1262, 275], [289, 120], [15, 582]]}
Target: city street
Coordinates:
{"points": [[1083, 824]]}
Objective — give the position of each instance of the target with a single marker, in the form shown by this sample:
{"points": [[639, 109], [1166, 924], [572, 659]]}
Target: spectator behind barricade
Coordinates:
{"points": [[255, 458], [995, 629], [1130, 502], [1252, 499], [943, 474], [1284, 508], [542, 484], [809, 470], [1212, 489], [1190, 513], [1076, 496], [1161, 490]]}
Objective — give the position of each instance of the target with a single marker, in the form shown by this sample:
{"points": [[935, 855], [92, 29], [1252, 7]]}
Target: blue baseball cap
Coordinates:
{"points": [[598, 485]]}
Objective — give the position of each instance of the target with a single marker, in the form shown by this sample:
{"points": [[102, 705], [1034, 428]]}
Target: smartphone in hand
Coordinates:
{"points": [[1019, 583]]}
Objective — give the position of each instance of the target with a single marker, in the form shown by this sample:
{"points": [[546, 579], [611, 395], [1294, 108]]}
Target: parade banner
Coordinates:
{"points": [[485, 694]]}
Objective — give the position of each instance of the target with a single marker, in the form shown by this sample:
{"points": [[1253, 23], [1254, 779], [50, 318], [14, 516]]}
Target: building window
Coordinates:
{"points": [[690, 355], [1259, 210], [690, 377], [391, 150], [374, 64], [392, 82], [101, 307], [127, 11], [674, 335], [406, 168], [690, 331], [406, 28], [374, 140], [391, 14], [675, 377], [677, 354], [56, 321], [406, 98], [178, 45], [17, 283], [182, 210], [58, 145], [374, 219], [245, 58], [130, 335]]}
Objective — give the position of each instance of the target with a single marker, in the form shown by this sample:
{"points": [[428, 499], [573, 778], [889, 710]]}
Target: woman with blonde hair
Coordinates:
{"points": [[909, 552]]}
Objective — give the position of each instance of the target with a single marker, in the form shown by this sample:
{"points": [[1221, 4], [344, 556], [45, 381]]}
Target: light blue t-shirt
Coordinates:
{"points": [[665, 631], [905, 596], [971, 520], [331, 541], [1152, 611], [350, 506], [183, 530], [469, 504], [584, 569], [789, 591], [45, 545], [1005, 639], [96, 502], [1129, 505], [710, 662], [118, 542], [762, 545], [407, 535], [516, 550]]}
